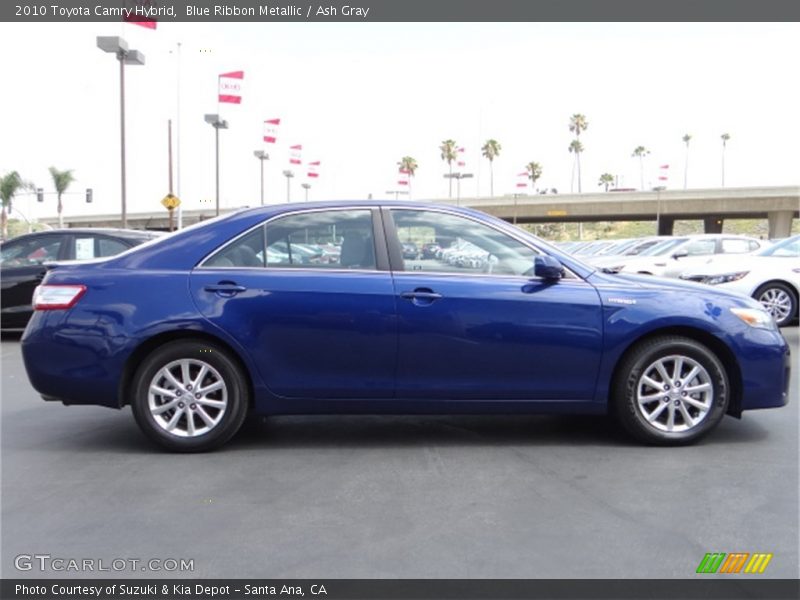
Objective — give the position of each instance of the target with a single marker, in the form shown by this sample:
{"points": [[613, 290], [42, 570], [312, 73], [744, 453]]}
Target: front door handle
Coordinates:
{"points": [[421, 296], [225, 288]]}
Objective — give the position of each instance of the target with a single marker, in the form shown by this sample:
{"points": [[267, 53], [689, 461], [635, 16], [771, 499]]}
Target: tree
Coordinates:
{"points": [[409, 164], [61, 181], [577, 125], [640, 152], [534, 170], [10, 184], [448, 152], [686, 139], [576, 148], [606, 179], [491, 150], [725, 137]]}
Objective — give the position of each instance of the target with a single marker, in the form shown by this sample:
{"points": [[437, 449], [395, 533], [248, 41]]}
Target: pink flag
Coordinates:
{"points": [[313, 169], [524, 182], [230, 87], [139, 10], [271, 130], [403, 177], [295, 153], [663, 173], [461, 162]]}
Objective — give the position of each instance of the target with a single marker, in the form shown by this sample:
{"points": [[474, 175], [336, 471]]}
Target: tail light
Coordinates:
{"points": [[54, 297]]}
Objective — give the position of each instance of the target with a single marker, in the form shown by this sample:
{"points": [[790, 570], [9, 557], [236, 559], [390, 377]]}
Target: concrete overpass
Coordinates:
{"points": [[779, 205]]}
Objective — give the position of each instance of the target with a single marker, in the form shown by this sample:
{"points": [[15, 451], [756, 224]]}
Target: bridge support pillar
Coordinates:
{"points": [[712, 224], [665, 225], [780, 223]]}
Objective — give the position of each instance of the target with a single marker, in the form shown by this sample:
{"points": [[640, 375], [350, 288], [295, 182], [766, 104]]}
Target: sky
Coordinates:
{"points": [[360, 96]]}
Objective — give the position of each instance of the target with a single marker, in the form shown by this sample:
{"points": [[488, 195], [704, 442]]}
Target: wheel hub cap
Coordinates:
{"points": [[204, 388], [674, 394]]}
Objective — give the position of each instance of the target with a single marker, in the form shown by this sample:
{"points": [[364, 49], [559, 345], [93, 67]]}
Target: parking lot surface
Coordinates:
{"points": [[450, 496]]}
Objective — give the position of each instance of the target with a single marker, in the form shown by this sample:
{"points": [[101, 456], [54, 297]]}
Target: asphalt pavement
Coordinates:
{"points": [[408, 497]]}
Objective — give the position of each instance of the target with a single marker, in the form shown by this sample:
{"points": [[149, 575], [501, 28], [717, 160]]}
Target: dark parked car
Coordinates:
{"points": [[410, 250], [195, 330], [23, 260], [430, 250]]}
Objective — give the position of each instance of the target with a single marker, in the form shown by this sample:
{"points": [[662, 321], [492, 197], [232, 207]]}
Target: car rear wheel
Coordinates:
{"points": [[779, 300], [189, 396], [670, 391]]}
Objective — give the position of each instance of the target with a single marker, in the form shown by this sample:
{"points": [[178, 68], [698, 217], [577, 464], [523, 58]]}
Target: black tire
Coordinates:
{"points": [[777, 286], [638, 361], [235, 394]]}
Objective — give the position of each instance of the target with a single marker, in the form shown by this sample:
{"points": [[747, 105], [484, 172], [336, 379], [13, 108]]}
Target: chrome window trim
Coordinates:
{"points": [[201, 264]]}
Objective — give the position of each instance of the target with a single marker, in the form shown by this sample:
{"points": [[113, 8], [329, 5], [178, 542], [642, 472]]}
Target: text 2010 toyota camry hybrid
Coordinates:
{"points": [[315, 308]]}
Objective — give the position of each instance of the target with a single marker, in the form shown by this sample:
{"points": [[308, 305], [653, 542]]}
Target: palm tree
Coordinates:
{"points": [[576, 147], [449, 151], [534, 170], [577, 125], [725, 137], [61, 181], [686, 139], [410, 166], [10, 184], [606, 179], [491, 150], [640, 152]]}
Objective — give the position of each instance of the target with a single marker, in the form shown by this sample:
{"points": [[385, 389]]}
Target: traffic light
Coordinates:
{"points": [[40, 194], [88, 195]]}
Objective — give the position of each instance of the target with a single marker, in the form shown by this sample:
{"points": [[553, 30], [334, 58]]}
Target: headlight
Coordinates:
{"points": [[724, 278], [755, 317]]}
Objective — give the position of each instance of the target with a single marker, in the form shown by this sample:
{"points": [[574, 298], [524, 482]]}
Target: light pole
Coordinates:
{"points": [[217, 124], [306, 187], [125, 56], [288, 174], [261, 156], [458, 177]]}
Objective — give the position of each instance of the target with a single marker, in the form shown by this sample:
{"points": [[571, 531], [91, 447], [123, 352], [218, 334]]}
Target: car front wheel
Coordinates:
{"points": [[189, 396], [670, 391], [779, 300]]}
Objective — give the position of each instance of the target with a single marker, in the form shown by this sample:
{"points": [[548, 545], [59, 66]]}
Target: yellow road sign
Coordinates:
{"points": [[169, 202]]}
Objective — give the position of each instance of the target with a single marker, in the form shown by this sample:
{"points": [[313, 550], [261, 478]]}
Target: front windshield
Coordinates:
{"points": [[788, 247]]}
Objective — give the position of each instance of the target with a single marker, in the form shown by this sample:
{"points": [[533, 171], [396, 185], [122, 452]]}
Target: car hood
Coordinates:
{"points": [[734, 263], [621, 281]]}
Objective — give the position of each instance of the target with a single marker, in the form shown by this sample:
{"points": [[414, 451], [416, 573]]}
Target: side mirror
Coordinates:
{"points": [[679, 254], [548, 267]]}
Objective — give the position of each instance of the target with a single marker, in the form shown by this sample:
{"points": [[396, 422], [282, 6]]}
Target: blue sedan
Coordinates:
{"points": [[197, 329]]}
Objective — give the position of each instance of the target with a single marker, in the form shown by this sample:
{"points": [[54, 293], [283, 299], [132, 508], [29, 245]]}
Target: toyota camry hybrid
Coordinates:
{"points": [[317, 308]]}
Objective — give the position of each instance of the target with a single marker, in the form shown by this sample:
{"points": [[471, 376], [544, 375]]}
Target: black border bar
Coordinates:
{"points": [[417, 10], [707, 588]]}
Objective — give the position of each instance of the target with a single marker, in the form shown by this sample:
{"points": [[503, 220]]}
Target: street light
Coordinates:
{"points": [[217, 124], [288, 174], [261, 156], [125, 56], [458, 177], [306, 187]]}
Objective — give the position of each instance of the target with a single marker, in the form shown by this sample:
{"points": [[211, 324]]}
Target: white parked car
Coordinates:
{"points": [[675, 255], [771, 276]]}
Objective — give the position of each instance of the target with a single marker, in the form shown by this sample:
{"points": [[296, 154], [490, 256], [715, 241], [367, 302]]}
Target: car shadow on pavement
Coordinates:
{"points": [[457, 430]]}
